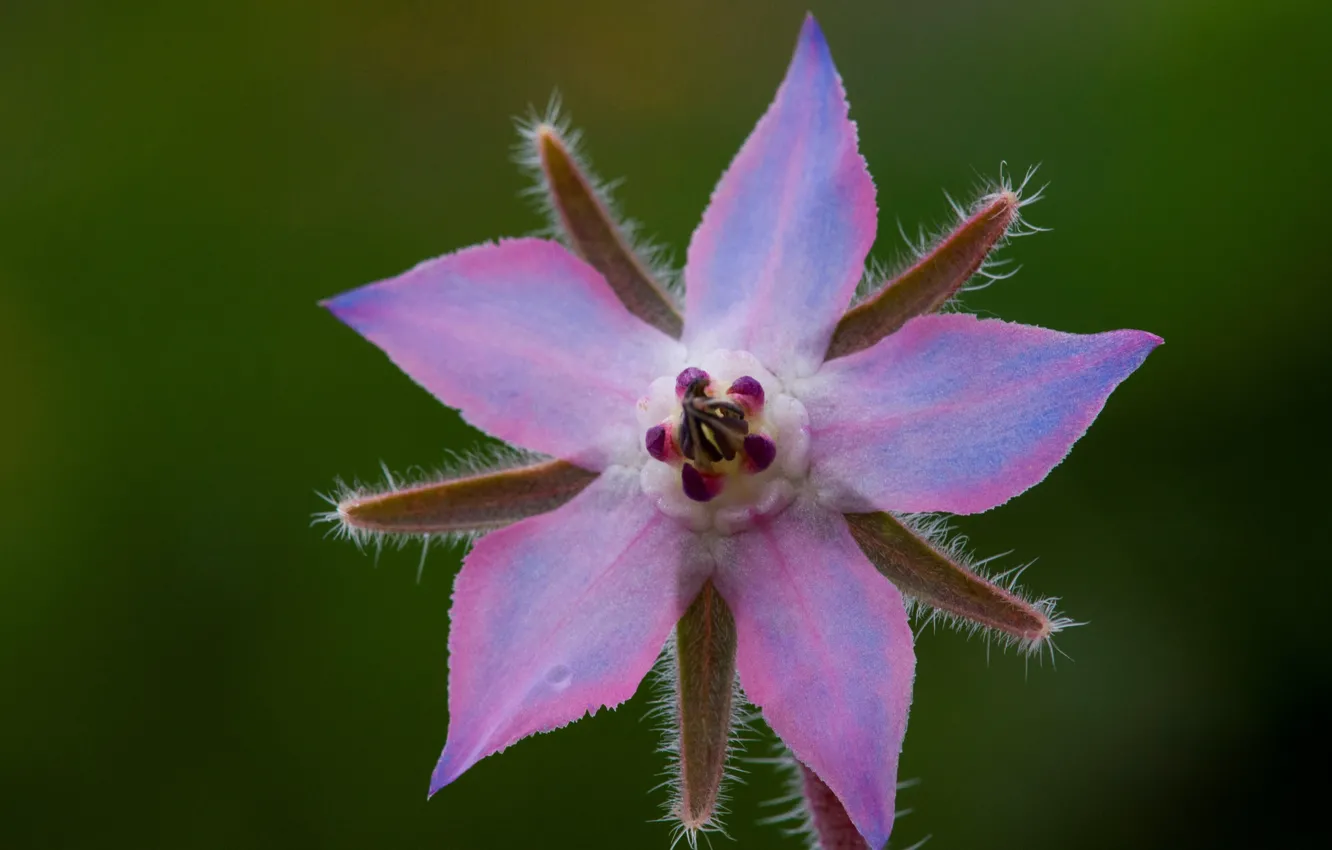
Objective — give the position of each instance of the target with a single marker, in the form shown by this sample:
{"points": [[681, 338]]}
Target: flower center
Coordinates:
{"points": [[711, 430], [726, 445]]}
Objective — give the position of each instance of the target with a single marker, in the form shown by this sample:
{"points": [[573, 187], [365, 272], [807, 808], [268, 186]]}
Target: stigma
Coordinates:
{"points": [[725, 445]]}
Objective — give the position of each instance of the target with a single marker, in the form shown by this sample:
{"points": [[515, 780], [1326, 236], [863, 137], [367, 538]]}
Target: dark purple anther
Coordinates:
{"points": [[748, 387], [687, 377], [760, 450], [657, 444], [696, 486]]}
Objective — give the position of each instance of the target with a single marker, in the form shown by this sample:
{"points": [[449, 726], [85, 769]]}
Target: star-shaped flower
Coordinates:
{"points": [[737, 469]]}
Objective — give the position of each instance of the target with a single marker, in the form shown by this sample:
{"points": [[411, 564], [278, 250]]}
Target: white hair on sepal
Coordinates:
{"points": [[795, 818], [991, 189], [937, 530], [481, 460], [994, 267], [879, 272], [664, 710], [655, 257]]}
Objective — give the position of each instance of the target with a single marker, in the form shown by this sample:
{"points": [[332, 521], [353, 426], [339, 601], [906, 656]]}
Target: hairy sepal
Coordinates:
{"points": [[705, 651], [915, 556], [704, 712], [458, 505], [939, 271], [584, 219], [828, 819], [810, 811]]}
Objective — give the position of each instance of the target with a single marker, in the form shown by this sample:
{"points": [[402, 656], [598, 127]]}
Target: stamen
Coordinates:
{"points": [[761, 451], [658, 442], [697, 486], [711, 429], [750, 392], [688, 378], [715, 442]]}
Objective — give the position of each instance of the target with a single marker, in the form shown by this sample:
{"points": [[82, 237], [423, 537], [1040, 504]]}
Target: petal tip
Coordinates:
{"points": [[1138, 344], [445, 772], [813, 40], [810, 31], [340, 310], [344, 305]]}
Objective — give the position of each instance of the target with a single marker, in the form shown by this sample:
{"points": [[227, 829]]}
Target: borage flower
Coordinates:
{"points": [[735, 473]]}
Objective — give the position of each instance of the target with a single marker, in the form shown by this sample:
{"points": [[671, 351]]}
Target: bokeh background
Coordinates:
{"points": [[187, 664]]}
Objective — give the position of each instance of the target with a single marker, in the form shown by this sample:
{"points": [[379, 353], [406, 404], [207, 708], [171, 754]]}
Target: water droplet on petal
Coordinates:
{"points": [[559, 677]]}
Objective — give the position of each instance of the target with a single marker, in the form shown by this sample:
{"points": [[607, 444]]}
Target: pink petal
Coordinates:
{"points": [[782, 245], [959, 414], [561, 614], [825, 650], [528, 341]]}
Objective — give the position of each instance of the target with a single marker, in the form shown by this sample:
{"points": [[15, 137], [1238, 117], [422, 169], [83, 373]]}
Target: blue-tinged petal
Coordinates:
{"points": [[825, 650], [562, 614], [528, 341], [781, 247], [958, 414]]}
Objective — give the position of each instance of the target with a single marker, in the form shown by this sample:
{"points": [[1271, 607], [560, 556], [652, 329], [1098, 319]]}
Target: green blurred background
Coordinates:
{"points": [[187, 664]]}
